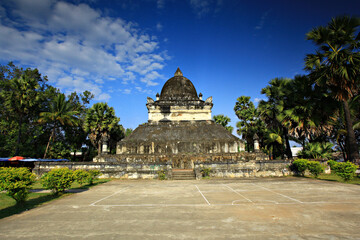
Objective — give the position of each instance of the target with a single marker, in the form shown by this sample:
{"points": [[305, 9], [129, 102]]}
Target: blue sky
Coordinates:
{"points": [[124, 51]]}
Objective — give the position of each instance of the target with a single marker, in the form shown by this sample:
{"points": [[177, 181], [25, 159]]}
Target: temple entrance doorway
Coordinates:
{"points": [[182, 162]]}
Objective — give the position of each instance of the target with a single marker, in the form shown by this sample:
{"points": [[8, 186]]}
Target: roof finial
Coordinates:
{"points": [[178, 72]]}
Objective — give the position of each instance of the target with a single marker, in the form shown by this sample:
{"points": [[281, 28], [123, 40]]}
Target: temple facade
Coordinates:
{"points": [[179, 123], [181, 140]]}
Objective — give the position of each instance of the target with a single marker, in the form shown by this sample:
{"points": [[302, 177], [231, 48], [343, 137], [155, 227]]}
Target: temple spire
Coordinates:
{"points": [[178, 72]]}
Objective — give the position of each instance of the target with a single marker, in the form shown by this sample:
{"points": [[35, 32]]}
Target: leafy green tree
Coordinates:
{"points": [[61, 112], [223, 121], [128, 131], [336, 66], [271, 111], [99, 122], [75, 136], [301, 114], [249, 123], [21, 96]]}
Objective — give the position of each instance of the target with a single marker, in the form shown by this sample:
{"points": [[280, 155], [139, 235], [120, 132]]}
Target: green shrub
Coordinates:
{"points": [[16, 182], [81, 176], [345, 170], [206, 172], [58, 179], [315, 168], [92, 175], [299, 166], [332, 164], [161, 175]]}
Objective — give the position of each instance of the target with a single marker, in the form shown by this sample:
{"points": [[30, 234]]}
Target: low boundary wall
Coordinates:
{"points": [[229, 169]]}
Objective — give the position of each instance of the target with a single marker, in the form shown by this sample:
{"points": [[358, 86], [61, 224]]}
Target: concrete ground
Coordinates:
{"points": [[263, 208]]}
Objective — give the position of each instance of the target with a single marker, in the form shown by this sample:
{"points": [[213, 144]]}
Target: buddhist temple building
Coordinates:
{"points": [[179, 124]]}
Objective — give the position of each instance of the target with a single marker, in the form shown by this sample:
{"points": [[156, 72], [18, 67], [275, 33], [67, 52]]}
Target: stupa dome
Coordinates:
{"points": [[178, 88]]}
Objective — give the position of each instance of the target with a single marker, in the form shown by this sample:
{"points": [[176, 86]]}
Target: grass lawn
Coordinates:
{"points": [[9, 207], [38, 185], [335, 178]]}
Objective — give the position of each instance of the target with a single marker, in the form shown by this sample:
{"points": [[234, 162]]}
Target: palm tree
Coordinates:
{"points": [[60, 112], [336, 65], [99, 122], [223, 121], [271, 111], [273, 139], [317, 150]]}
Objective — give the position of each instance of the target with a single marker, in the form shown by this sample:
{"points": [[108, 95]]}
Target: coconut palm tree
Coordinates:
{"points": [[336, 64], [60, 113]]}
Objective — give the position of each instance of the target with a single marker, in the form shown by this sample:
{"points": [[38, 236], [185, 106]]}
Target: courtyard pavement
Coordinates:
{"points": [[262, 208]]}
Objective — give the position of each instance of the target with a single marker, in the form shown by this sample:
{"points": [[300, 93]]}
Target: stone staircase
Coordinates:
{"points": [[183, 174]]}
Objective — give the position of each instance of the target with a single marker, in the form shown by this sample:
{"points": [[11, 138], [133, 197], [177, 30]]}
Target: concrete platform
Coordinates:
{"points": [[271, 208]]}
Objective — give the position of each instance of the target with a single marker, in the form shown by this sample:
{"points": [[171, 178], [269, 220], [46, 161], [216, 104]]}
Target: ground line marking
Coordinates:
{"points": [[93, 204], [278, 193], [202, 195], [237, 193], [223, 204]]}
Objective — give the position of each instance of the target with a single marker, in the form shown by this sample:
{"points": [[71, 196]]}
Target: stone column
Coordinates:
{"points": [[256, 143], [105, 149]]}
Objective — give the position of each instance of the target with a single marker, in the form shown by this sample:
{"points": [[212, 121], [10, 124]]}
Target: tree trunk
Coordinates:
{"points": [[342, 147], [47, 146], [352, 148], [287, 143], [99, 147]]}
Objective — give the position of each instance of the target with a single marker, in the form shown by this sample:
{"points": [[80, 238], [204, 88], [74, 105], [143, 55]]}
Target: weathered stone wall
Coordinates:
{"points": [[149, 170], [240, 169], [108, 170], [190, 158]]}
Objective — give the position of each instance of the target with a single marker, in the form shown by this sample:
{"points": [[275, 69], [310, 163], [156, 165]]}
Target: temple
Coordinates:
{"points": [[179, 124], [181, 140]]}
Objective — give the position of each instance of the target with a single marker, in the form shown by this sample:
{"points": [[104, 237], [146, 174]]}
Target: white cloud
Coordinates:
{"points": [[127, 91], [148, 79], [77, 47], [256, 100], [147, 91]]}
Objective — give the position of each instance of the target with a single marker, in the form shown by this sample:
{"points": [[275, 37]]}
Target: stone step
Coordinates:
{"points": [[183, 175]]}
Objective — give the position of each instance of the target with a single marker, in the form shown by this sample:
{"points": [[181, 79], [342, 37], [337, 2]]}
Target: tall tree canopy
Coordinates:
{"points": [[336, 66], [22, 96], [249, 123], [61, 112], [100, 122], [223, 121]]}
